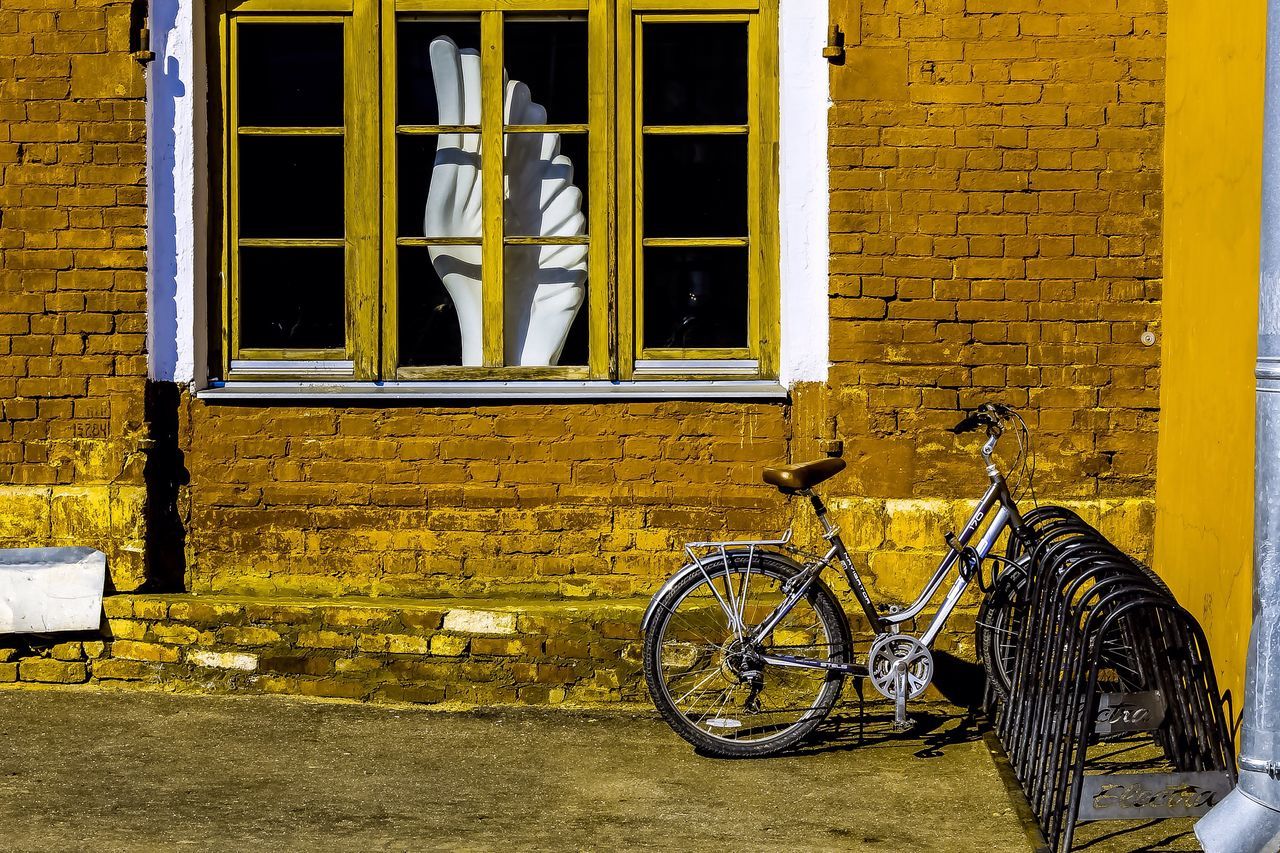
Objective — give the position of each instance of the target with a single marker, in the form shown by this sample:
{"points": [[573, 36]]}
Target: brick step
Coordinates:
{"points": [[459, 651]]}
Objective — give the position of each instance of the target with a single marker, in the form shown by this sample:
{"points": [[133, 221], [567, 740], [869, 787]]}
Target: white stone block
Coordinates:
{"points": [[224, 660], [480, 622], [51, 589]]}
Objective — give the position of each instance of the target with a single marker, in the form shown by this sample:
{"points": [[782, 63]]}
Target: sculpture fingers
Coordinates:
{"points": [[471, 87], [446, 74], [519, 106]]}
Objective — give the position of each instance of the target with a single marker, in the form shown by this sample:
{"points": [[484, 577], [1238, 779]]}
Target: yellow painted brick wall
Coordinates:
{"points": [[995, 233], [549, 499], [72, 280], [995, 174]]}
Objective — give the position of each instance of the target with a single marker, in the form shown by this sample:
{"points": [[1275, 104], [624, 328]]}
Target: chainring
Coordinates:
{"points": [[882, 662]]}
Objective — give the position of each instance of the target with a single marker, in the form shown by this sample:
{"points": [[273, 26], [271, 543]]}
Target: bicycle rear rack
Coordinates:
{"points": [[1114, 712]]}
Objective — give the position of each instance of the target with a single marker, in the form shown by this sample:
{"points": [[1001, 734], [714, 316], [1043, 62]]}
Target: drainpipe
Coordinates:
{"points": [[1248, 819]]}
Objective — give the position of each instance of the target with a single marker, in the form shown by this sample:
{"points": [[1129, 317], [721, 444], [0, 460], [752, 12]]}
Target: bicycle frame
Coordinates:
{"points": [[1006, 516]]}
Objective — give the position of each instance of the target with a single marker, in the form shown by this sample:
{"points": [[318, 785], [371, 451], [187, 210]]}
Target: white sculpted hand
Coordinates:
{"points": [[544, 285]]}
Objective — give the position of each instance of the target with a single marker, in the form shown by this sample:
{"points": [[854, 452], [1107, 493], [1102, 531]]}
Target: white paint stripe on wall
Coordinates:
{"points": [[176, 206], [177, 185], [803, 200]]}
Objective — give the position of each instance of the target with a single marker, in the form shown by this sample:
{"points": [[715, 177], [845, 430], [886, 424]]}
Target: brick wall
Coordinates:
{"points": [[995, 231], [553, 499], [72, 280]]}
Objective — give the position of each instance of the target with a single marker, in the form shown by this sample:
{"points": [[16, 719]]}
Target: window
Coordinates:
{"points": [[497, 189]]}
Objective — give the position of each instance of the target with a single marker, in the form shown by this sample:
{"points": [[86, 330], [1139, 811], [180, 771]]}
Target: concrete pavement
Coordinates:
{"points": [[87, 770]]}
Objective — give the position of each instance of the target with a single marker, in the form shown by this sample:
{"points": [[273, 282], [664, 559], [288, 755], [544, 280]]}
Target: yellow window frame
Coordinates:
{"points": [[614, 238]]}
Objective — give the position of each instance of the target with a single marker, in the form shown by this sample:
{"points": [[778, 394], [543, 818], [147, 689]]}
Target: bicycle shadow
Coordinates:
{"points": [[867, 721]]}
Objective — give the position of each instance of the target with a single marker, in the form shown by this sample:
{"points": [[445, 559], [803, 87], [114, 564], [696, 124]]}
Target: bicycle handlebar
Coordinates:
{"points": [[987, 415]]}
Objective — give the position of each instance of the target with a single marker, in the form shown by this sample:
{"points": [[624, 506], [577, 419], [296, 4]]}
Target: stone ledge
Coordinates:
{"points": [[462, 652]]}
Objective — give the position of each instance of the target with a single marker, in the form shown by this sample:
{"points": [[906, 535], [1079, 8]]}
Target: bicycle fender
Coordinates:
{"points": [[709, 563]]}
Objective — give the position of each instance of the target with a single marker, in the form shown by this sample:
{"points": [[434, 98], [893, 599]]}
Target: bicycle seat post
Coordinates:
{"points": [[820, 510]]}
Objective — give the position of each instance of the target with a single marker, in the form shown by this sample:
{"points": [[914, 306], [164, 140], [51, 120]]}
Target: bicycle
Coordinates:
{"points": [[746, 648]]}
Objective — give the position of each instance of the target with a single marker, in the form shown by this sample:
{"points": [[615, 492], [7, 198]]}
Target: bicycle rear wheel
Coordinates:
{"points": [[711, 686]]}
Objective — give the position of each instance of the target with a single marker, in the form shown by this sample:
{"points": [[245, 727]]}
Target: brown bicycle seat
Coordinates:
{"points": [[805, 475]]}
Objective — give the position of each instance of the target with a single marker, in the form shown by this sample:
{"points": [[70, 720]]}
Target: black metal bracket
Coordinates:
{"points": [[140, 32]]}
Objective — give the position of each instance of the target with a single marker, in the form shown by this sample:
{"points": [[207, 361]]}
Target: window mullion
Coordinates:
{"points": [[601, 269], [766, 292], [491, 177], [230, 303], [363, 221], [627, 102], [389, 286]]}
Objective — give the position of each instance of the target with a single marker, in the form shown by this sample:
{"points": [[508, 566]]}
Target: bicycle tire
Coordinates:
{"points": [[834, 625], [999, 628]]}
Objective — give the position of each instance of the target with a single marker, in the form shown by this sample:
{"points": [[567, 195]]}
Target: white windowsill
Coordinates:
{"points": [[558, 389]]}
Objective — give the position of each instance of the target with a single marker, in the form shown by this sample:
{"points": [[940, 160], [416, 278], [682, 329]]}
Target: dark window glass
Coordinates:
{"points": [[695, 73], [695, 297], [415, 158], [429, 330], [292, 298], [291, 186], [695, 186], [550, 58], [415, 83], [546, 192], [290, 74], [575, 349]]}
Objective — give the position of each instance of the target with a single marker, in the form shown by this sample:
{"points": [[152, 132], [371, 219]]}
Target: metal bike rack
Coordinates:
{"points": [[1114, 712]]}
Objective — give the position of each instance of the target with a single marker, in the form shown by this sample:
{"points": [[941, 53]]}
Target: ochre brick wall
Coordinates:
{"points": [[995, 233], [475, 652], [72, 280], [550, 499]]}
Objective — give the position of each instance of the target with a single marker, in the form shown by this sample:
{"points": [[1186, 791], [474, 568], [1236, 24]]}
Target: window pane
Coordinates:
{"points": [[438, 189], [416, 96], [292, 298], [546, 185], [290, 74], [695, 73], [291, 186], [545, 290], [431, 331], [550, 59], [695, 297], [695, 186]]}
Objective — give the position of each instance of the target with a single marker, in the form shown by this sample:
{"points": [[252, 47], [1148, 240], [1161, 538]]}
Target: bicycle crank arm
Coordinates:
{"points": [[809, 663]]}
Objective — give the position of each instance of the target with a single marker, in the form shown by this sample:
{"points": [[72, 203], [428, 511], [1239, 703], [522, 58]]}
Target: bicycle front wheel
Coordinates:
{"points": [[708, 680], [1000, 625]]}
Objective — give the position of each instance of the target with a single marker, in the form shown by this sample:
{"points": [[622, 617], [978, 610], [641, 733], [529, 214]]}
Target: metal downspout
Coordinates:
{"points": [[1248, 819]]}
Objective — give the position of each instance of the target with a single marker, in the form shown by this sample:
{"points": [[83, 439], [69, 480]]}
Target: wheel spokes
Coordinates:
{"points": [[714, 676]]}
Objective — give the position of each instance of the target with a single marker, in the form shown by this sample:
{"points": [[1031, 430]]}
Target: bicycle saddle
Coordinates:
{"points": [[804, 475]]}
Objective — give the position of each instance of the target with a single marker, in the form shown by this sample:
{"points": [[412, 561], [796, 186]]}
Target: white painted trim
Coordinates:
{"points": [[177, 184], [803, 200], [177, 194], [516, 389]]}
